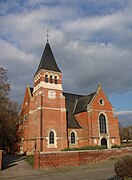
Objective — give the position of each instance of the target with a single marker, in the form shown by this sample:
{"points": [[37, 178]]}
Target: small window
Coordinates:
{"points": [[26, 117], [56, 82], [51, 80], [72, 138], [51, 137], [101, 101], [46, 78]]}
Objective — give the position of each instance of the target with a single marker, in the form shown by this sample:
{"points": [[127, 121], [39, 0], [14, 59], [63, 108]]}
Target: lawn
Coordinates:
{"points": [[30, 159]]}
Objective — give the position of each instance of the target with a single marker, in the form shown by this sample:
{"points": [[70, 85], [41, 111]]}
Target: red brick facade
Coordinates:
{"points": [[90, 134], [42, 113], [75, 158], [44, 125]]}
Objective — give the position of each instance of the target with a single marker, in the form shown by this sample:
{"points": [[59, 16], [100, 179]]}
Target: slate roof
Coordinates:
{"points": [[70, 105], [48, 61], [76, 104], [82, 103]]}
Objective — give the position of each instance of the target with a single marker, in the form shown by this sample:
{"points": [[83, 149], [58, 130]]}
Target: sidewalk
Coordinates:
{"points": [[15, 166]]}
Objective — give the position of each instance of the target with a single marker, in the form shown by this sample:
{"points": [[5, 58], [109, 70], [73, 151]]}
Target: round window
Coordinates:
{"points": [[101, 101]]}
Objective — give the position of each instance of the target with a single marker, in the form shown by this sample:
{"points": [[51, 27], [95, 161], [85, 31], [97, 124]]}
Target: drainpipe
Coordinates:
{"points": [[41, 118]]}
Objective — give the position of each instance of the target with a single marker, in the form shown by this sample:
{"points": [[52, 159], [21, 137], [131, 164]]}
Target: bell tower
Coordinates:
{"points": [[49, 104]]}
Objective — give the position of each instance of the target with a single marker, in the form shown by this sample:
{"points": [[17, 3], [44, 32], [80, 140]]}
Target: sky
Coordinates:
{"points": [[90, 39]]}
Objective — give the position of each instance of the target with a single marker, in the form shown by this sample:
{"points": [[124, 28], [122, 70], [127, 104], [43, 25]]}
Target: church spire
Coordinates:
{"points": [[48, 61]]}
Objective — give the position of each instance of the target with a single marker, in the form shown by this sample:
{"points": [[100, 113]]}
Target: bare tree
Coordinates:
{"points": [[126, 133], [8, 114]]}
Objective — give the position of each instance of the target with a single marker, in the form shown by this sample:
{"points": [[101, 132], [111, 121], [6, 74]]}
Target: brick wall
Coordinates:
{"points": [[0, 160], [75, 158]]}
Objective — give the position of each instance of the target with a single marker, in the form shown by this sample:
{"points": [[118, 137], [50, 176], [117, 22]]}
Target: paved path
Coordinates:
{"points": [[16, 168]]}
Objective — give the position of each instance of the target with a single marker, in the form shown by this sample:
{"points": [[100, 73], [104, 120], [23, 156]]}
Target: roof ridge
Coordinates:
{"points": [[73, 94], [91, 93], [74, 106], [86, 96]]}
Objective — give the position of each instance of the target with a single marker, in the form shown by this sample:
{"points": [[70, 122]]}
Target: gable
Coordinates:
{"points": [[27, 97], [100, 101]]}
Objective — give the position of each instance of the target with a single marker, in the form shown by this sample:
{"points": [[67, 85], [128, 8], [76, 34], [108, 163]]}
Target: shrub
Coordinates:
{"points": [[123, 167], [116, 146], [85, 148]]}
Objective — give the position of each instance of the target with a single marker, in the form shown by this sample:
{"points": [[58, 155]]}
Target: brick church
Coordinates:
{"points": [[51, 119]]}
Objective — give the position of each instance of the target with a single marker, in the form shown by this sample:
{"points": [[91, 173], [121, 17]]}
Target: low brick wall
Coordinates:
{"points": [[0, 160], [75, 158]]}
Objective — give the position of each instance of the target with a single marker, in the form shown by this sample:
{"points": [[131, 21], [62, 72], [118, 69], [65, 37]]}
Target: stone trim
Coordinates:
{"points": [[76, 139], [58, 109], [48, 86], [106, 136], [55, 139]]}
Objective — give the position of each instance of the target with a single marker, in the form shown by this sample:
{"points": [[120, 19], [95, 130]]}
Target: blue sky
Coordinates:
{"points": [[91, 41]]}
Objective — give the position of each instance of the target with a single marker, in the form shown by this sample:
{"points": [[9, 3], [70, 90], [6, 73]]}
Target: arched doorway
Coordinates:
{"points": [[103, 142]]}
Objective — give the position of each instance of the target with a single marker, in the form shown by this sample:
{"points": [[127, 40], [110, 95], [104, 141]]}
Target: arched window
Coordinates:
{"points": [[73, 138], [46, 78], [56, 80], [102, 123], [51, 79], [51, 137]]}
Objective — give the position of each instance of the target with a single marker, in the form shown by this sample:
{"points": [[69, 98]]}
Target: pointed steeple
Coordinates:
{"points": [[48, 61]]}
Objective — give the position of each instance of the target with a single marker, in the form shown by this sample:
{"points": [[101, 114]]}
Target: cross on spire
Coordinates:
{"points": [[47, 35]]}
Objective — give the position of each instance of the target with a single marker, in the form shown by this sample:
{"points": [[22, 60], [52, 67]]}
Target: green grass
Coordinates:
{"points": [[85, 148], [30, 159]]}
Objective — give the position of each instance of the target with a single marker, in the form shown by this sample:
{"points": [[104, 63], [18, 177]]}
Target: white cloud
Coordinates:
{"points": [[95, 63], [20, 67], [114, 27], [10, 54], [125, 118], [124, 113]]}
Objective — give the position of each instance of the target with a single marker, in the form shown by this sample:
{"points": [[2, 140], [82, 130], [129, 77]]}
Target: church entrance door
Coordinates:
{"points": [[104, 142]]}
